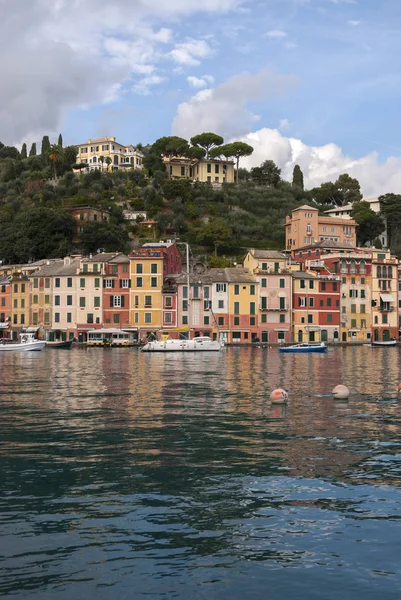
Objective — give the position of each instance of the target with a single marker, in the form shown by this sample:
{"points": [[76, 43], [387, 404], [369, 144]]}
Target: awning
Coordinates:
{"points": [[4, 325], [387, 297], [31, 329], [282, 330]]}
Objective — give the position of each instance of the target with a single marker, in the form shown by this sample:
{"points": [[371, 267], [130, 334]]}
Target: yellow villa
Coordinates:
{"points": [[206, 170], [107, 154]]}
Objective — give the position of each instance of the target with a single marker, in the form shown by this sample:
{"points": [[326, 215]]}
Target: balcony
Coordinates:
{"points": [[274, 309], [386, 308]]}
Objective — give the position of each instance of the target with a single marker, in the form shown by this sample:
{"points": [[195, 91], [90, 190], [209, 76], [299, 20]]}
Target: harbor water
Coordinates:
{"points": [[129, 475]]}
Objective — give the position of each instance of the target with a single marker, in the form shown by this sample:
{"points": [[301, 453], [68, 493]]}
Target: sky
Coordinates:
{"points": [[309, 82]]}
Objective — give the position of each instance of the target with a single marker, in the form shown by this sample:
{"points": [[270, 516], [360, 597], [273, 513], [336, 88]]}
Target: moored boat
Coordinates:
{"points": [[27, 343], [66, 344], [304, 348], [386, 344], [197, 344]]}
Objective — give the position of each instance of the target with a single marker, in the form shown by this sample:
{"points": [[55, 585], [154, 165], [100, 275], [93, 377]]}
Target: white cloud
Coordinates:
{"points": [[276, 33], [190, 52], [323, 163], [200, 82], [223, 109], [143, 85], [353, 23], [63, 54], [284, 125]]}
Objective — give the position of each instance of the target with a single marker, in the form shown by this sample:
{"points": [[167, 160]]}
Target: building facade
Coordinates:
{"points": [[106, 154]]}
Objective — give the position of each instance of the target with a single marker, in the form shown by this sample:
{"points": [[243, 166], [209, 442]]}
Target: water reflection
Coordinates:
{"points": [[175, 474]]}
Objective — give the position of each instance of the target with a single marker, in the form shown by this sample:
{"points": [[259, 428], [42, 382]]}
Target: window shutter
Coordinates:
{"points": [[122, 301], [111, 301], [121, 283], [129, 283], [112, 283], [104, 283]]}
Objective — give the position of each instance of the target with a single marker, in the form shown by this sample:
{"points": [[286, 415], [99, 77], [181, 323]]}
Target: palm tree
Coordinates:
{"points": [[101, 160], [108, 161], [56, 156]]}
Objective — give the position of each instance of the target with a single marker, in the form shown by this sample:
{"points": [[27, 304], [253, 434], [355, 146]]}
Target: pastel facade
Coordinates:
{"points": [[5, 305], [384, 290], [204, 170], [274, 282], [116, 292], [306, 227], [108, 154]]}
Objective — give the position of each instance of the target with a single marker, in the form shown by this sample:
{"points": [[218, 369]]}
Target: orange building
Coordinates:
{"points": [[306, 227], [5, 306], [116, 292]]}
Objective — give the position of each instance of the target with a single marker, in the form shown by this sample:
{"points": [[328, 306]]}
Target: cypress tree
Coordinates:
{"points": [[23, 151], [60, 141], [45, 151], [298, 177], [32, 151]]}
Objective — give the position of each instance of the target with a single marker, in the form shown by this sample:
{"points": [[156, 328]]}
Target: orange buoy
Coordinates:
{"points": [[399, 389], [279, 396], [341, 392]]}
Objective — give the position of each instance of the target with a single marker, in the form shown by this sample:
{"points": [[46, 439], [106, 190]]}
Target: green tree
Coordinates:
{"points": [[207, 141], [170, 147], [32, 151], [108, 162], [349, 188], [101, 234], [215, 233], [9, 152], [370, 224], [60, 141], [327, 194], [298, 177], [55, 156], [101, 160], [267, 174], [46, 147], [236, 150], [23, 151], [390, 208]]}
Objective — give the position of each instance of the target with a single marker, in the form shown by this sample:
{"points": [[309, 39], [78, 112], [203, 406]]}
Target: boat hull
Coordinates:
{"points": [[182, 346], [304, 350], [63, 345], [389, 344], [27, 347]]}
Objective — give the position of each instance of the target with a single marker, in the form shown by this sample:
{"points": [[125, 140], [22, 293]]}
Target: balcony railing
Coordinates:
{"points": [[274, 308], [386, 308]]}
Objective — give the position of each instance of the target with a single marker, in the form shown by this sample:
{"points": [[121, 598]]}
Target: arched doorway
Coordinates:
{"points": [[386, 335], [300, 336], [323, 335], [115, 159], [376, 335], [336, 336], [344, 336]]}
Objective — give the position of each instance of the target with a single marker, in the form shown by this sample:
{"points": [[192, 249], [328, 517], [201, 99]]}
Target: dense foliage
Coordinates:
{"points": [[38, 191]]}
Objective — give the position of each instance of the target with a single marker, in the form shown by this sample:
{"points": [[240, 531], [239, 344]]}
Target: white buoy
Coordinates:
{"points": [[279, 396], [341, 392]]}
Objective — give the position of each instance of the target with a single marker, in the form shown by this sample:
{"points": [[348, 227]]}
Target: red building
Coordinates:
{"points": [[116, 292]]}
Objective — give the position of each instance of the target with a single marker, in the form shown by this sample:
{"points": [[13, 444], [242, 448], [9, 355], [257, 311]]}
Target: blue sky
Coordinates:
{"points": [[324, 73]]}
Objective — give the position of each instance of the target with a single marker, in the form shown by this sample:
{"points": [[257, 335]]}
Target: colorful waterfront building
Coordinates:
{"points": [[150, 267], [41, 285], [116, 292], [274, 281], [384, 295], [5, 306], [195, 306], [305, 307]]}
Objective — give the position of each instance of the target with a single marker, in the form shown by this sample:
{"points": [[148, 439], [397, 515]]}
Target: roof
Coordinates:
{"points": [[101, 257], [272, 254], [302, 275], [330, 244], [346, 208], [86, 207], [231, 275], [158, 244], [305, 207], [59, 268], [120, 259]]}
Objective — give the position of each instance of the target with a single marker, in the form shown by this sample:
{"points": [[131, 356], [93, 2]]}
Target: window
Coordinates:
{"points": [[353, 308], [35, 283], [97, 282], [362, 267], [139, 282], [96, 268], [321, 303], [362, 280], [264, 283], [379, 272], [69, 281], [329, 318], [276, 267], [153, 282], [362, 309], [384, 319], [252, 290], [236, 321], [302, 301], [153, 268], [69, 317], [82, 302], [221, 287], [206, 304], [263, 305], [221, 304], [264, 318], [353, 323], [57, 317], [96, 301], [206, 321], [3, 302], [82, 282], [282, 303], [85, 267], [23, 319], [139, 268], [323, 286], [168, 302], [344, 280], [264, 266], [184, 305], [185, 320], [148, 318], [124, 283], [168, 318], [236, 308], [136, 317], [328, 301], [46, 317], [221, 320], [89, 318], [310, 318], [22, 303], [311, 302], [302, 284], [57, 300], [148, 301], [206, 292], [15, 303], [363, 323], [15, 317], [343, 266], [109, 283], [311, 284], [353, 293], [216, 168], [125, 267], [56, 282], [209, 168], [252, 321], [281, 336], [353, 267], [282, 283], [47, 299], [334, 287], [185, 292], [35, 300], [282, 318], [252, 308], [236, 290]]}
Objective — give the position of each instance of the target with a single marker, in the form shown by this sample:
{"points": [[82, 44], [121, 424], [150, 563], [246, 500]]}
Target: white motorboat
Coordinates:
{"points": [[385, 344], [197, 344], [27, 343]]}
